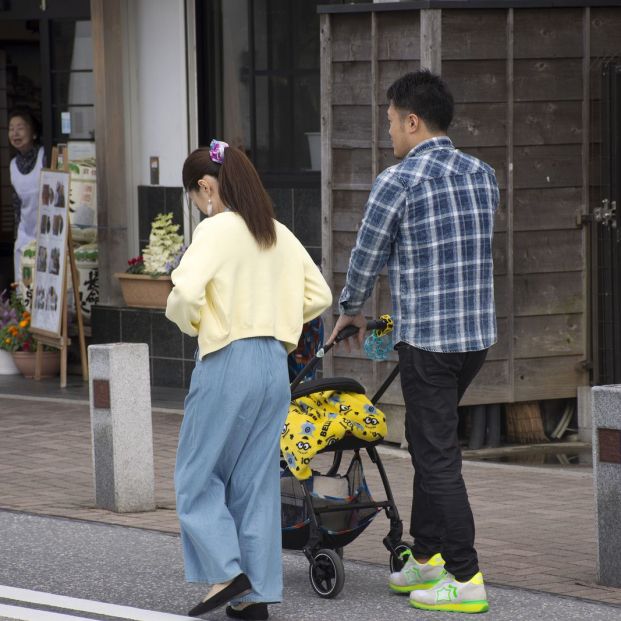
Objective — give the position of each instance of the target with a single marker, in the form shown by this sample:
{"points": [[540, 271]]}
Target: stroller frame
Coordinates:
{"points": [[326, 571]]}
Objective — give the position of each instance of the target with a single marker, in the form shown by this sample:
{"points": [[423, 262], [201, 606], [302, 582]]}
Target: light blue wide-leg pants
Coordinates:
{"points": [[227, 479]]}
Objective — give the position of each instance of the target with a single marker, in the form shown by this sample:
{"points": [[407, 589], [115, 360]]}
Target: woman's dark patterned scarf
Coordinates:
{"points": [[26, 161]]}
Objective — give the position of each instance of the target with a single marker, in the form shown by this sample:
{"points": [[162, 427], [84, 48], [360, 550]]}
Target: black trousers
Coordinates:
{"points": [[441, 520]]}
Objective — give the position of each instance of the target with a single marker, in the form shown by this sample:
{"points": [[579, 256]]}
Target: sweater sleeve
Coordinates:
{"points": [[317, 294], [197, 267]]}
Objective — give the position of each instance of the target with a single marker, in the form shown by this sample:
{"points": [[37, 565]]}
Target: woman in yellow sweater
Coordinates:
{"points": [[244, 287]]}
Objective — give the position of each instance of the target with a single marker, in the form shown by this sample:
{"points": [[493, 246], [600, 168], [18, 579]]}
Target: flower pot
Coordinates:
{"points": [[144, 291], [25, 362], [7, 366]]}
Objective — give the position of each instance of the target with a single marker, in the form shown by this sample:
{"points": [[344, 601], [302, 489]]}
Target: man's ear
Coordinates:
{"points": [[412, 123]]}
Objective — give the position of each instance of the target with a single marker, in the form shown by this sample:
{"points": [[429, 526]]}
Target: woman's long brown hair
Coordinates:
{"points": [[240, 189]]}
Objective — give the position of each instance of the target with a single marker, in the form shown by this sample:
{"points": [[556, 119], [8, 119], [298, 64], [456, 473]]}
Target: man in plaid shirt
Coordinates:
{"points": [[430, 218]]}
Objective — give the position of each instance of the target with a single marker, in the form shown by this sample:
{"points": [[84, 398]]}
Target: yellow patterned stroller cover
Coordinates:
{"points": [[323, 418]]}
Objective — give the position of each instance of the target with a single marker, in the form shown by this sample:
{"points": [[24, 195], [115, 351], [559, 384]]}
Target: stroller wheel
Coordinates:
{"points": [[327, 574], [339, 551], [395, 562]]}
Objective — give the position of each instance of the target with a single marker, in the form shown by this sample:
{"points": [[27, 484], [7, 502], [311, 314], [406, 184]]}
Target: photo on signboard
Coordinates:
{"points": [[57, 225], [45, 224], [61, 192], [42, 259], [54, 263], [47, 195], [51, 301]]}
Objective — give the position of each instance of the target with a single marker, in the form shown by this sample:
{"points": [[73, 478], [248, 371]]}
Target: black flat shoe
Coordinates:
{"points": [[240, 586], [254, 612]]}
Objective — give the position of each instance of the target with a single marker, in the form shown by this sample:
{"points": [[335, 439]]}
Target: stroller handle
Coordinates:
{"points": [[346, 332], [373, 324]]}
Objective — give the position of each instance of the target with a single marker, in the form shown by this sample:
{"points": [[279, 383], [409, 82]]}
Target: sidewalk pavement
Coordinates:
{"points": [[535, 526]]}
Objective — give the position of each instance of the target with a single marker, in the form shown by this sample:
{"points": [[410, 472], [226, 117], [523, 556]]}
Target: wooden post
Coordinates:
{"points": [[510, 197], [590, 301], [109, 67], [326, 169], [431, 40]]}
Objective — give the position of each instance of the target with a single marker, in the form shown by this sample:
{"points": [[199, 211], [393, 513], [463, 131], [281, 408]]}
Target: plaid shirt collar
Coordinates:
{"points": [[439, 142]]}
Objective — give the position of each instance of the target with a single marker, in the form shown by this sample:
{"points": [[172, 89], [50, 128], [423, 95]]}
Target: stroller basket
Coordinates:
{"points": [[342, 494]]}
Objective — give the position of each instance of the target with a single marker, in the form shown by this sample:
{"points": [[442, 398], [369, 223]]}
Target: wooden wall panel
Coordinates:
{"points": [[548, 123], [398, 36], [474, 34], [500, 220], [476, 80], [547, 208], [352, 167], [548, 335], [548, 166], [348, 209], [351, 83], [548, 33], [549, 79], [548, 294], [479, 125], [548, 378], [351, 38], [605, 32], [547, 251], [351, 124]]}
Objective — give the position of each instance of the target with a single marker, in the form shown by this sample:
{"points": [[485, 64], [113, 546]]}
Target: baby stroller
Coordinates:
{"points": [[324, 513]]}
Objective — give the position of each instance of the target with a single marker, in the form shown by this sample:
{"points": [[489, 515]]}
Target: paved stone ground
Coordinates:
{"points": [[535, 525]]}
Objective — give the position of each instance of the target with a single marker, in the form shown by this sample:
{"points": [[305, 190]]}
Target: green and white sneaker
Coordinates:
{"points": [[415, 575], [450, 595]]}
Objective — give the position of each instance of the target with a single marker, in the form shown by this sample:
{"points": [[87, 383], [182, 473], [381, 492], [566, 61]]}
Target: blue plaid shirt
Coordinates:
{"points": [[431, 218]]}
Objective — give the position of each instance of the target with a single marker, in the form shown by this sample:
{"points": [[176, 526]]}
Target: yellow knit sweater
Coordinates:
{"points": [[227, 288]]}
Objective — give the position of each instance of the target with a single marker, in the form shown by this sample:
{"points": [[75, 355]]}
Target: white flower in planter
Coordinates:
{"points": [[165, 246]]}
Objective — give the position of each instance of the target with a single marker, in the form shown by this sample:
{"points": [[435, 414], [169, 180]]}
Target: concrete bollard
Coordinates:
{"points": [[607, 475], [120, 399]]}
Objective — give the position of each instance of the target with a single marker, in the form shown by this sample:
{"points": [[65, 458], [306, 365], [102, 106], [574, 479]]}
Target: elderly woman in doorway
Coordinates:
{"points": [[24, 169], [245, 286]]}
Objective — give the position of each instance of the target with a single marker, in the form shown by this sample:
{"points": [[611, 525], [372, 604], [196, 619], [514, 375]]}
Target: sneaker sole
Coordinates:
{"points": [[417, 587], [467, 607]]}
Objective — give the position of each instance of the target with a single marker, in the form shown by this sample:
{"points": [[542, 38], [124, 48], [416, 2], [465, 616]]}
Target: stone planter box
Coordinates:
{"points": [[143, 291]]}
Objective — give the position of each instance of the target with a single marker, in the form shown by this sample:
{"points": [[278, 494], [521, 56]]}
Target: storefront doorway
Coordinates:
{"points": [[46, 64]]}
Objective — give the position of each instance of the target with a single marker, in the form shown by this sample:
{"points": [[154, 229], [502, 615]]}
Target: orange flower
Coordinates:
{"points": [[13, 330], [26, 315], [23, 323]]}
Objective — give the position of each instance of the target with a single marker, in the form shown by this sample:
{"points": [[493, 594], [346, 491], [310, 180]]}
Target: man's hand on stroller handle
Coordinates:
{"points": [[347, 326]]}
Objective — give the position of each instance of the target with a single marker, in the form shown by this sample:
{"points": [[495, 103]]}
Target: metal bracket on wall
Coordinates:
{"points": [[606, 215]]}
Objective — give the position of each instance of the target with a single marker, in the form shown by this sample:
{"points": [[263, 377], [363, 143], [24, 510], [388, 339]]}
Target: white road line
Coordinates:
{"points": [[81, 605], [28, 614]]}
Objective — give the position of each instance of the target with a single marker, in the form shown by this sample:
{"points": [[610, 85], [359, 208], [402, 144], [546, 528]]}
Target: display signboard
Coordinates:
{"points": [[49, 286]]}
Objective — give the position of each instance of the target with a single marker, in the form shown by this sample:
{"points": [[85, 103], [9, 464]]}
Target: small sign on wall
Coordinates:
{"points": [[65, 122], [154, 167]]}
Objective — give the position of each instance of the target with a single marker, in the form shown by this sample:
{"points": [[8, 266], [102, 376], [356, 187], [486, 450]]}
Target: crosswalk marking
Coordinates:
{"points": [[73, 603]]}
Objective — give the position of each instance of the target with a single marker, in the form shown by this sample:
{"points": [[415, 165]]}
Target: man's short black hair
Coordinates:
{"points": [[426, 95]]}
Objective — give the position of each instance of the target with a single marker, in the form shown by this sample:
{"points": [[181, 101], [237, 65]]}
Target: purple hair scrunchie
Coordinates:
{"points": [[216, 150]]}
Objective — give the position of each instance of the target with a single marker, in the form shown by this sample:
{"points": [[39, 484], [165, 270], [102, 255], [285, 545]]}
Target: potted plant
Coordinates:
{"points": [[16, 338], [147, 282]]}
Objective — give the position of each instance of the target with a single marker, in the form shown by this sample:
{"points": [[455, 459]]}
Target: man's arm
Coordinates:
{"points": [[376, 235]]}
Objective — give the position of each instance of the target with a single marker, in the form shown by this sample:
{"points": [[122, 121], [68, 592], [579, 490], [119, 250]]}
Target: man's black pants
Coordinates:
{"points": [[433, 384]]}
